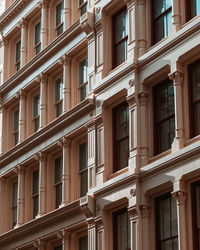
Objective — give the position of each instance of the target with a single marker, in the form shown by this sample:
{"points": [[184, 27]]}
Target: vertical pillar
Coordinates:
{"points": [[99, 150], [91, 153], [40, 244], [91, 234], [180, 197], [66, 84], [66, 178], [42, 183], [100, 234], [145, 214], [144, 149], [67, 14], [6, 68], [133, 128], [142, 43], [66, 240], [134, 223], [24, 43], [176, 17], [132, 29], [44, 24], [22, 120], [2, 129], [91, 61], [2, 205], [43, 100], [177, 78], [20, 195]]}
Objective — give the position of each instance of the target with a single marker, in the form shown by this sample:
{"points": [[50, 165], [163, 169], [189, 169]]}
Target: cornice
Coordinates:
{"points": [[12, 11], [39, 59], [48, 131], [45, 220]]}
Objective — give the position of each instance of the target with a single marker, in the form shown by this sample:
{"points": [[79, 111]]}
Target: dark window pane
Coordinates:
{"points": [[83, 72], [37, 33], [84, 183], [16, 138], [36, 105], [123, 153], [58, 169], [59, 13], [38, 49], [14, 216], [35, 205], [83, 91], [16, 120], [159, 29], [59, 30], [36, 124], [121, 26], [35, 182], [18, 48], [14, 193], [58, 89], [58, 247], [121, 52], [81, 2], [83, 156], [59, 109], [83, 9], [58, 195], [195, 8], [83, 243]]}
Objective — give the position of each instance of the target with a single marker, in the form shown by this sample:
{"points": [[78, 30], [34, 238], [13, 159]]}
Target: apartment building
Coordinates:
{"points": [[100, 125]]}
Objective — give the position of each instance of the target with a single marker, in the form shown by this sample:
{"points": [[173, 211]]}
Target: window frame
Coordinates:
{"points": [[15, 131], [59, 183], [84, 84], [38, 44], [35, 117], [36, 194], [60, 101], [17, 62], [82, 6], [61, 24], [188, 10], [83, 171]]}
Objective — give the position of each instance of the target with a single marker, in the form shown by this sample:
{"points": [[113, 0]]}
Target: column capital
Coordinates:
{"points": [[145, 210], [63, 234], [23, 23], [133, 212], [40, 156], [39, 243], [19, 169], [22, 93], [129, 2], [91, 124], [91, 222], [143, 98], [131, 99], [180, 196], [43, 77], [176, 77], [5, 41], [66, 141], [44, 3]]}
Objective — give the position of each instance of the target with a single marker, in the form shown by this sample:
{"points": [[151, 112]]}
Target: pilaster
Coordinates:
{"points": [[91, 234], [67, 14], [22, 112], [176, 17], [177, 78], [39, 244], [2, 129], [3, 204], [24, 42], [134, 224], [6, 70], [66, 83], [43, 99], [99, 233], [145, 210], [141, 27], [44, 23]]}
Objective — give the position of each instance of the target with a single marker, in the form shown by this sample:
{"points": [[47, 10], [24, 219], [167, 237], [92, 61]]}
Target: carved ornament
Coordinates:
{"points": [[87, 22], [180, 197]]}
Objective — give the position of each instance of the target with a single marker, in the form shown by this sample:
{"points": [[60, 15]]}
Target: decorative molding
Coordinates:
{"points": [[143, 98], [133, 192], [87, 206], [131, 82], [87, 22], [129, 2], [180, 197], [131, 99], [145, 210], [176, 77], [133, 212]]}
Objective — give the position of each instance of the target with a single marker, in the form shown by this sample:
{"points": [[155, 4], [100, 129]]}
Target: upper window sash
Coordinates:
{"points": [[83, 79], [17, 57], [14, 203], [35, 192], [82, 7], [59, 18], [38, 37], [36, 111], [58, 169], [83, 170], [16, 126], [59, 96]]}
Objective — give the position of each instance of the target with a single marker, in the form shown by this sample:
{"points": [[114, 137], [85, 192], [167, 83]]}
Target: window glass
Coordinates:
{"points": [[17, 59], [16, 126], [37, 33], [58, 163], [58, 247], [59, 96], [35, 192], [195, 7], [14, 202], [83, 78], [83, 169], [35, 182], [83, 243], [196, 213], [58, 169], [83, 6], [59, 18], [36, 110]]}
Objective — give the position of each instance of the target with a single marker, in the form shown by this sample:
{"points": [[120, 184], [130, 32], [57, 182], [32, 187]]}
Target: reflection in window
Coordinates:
{"points": [[17, 58], [164, 116], [162, 13], [14, 203], [121, 136], [16, 126], [82, 6], [58, 163], [59, 18], [83, 171], [37, 38], [194, 72], [166, 221], [59, 96], [120, 37], [83, 79], [35, 192], [36, 112]]}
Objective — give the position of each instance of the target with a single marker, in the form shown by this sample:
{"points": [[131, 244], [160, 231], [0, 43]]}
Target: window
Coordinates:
{"points": [[59, 96], [196, 214], [83, 79], [194, 78], [35, 192], [162, 13], [37, 38], [121, 230], [58, 247], [14, 203], [164, 116], [36, 112], [83, 243], [16, 126], [58, 163], [59, 18], [193, 8], [17, 58], [82, 6], [121, 136], [120, 21], [166, 223], [83, 171]]}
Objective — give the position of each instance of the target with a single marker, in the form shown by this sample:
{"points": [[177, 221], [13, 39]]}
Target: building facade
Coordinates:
{"points": [[100, 125]]}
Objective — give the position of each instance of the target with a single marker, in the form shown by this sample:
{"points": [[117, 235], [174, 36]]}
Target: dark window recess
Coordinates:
{"points": [[120, 43], [83, 243], [166, 223], [59, 18], [164, 116], [192, 8], [35, 192], [36, 112], [121, 230], [83, 79], [194, 88], [16, 127], [37, 38], [83, 170], [121, 136], [82, 6], [58, 247], [14, 203], [162, 18], [59, 96], [196, 214], [58, 163], [18, 51]]}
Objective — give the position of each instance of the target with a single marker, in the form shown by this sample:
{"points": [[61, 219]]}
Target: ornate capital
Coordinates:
{"points": [[39, 243], [176, 77], [91, 223], [145, 210], [133, 212], [129, 2], [66, 141], [60, 142], [41, 156], [87, 22], [180, 197], [44, 3], [131, 100], [143, 98], [43, 77]]}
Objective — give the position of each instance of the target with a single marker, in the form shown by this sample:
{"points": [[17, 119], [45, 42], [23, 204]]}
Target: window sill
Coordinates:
{"points": [[119, 172], [161, 155], [192, 140]]}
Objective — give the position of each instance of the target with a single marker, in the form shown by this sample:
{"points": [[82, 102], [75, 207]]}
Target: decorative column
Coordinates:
{"points": [[67, 14], [24, 42], [6, 68], [3, 204], [2, 129], [66, 240], [132, 29], [66, 83], [134, 223], [144, 149], [180, 197], [177, 78], [145, 214], [142, 43], [20, 194], [40, 244], [44, 23], [42, 183], [100, 234], [91, 234], [66, 177], [22, 112], [91, 153], [176, 17], [43, 100]]}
